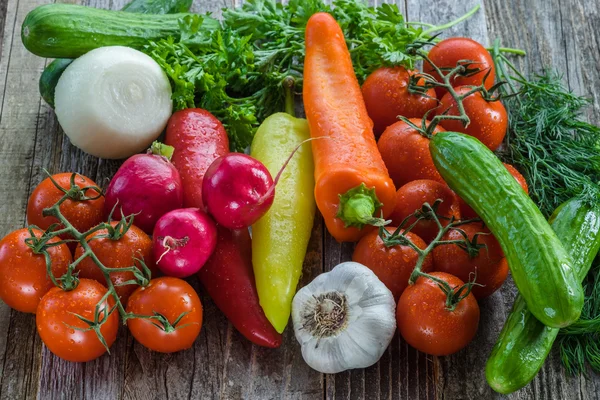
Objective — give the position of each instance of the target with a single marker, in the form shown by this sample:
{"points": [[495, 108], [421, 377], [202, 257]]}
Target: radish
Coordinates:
{"points": [[147, 185], [238, 189], [112, 102], [184, 240]]}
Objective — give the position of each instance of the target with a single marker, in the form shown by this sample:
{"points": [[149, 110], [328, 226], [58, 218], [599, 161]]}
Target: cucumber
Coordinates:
{"points": [[525, 342], [68, 31], [541, 268], [54, 70], [158, 6], [50, 77]]}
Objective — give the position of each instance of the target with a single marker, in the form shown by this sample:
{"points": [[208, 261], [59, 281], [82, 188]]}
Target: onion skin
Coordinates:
{"points": [[198, 138], [147, 185], [184, 240]]}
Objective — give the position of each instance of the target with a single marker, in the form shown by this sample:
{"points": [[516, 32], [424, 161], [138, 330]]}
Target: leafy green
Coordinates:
{"points": [[240, 69]]}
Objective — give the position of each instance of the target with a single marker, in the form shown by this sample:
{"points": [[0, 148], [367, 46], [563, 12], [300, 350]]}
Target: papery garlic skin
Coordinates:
{"points": [[367, 330]]}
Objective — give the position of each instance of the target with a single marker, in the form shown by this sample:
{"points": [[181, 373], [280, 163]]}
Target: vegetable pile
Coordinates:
{"points": [[400, 161]]}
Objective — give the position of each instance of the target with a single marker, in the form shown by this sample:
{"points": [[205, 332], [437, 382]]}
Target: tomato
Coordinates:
{"points": [[386, 96], [405, 153], [448, 52], [170, 297], [488, 265], [392, 265], [427, 325], [489, 119], [83, 215], [23, 278], [117, 254], [412, 196], [55, 319], [467, 212]]}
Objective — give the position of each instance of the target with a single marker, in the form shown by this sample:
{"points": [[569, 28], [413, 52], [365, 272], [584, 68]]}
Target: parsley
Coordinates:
{"points": [[236, 69]]}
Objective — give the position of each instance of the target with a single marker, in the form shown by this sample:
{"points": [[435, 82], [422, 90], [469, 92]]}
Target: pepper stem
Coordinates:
{"points": [[288, 86], [357, 207]]}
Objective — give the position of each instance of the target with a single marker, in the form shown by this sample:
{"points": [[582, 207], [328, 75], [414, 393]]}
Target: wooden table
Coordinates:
{"points": [[562, 34]]}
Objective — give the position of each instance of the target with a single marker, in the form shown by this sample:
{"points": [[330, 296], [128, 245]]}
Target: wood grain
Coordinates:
{"points": [[221, 364]]}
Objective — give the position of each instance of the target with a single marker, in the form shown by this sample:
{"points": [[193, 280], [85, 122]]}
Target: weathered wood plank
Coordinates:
{"points": [[7, 23], [19, 73]]}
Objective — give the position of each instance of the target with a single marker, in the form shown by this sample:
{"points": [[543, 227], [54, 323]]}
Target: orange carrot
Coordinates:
{"points": [[351, 178]]}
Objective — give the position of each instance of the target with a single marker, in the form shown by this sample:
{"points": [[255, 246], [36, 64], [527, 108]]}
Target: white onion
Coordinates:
{"points": [[112, 102]]}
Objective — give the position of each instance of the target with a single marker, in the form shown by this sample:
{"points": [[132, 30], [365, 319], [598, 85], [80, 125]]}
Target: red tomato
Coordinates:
{"points": [[386, 96], [467, 212], [23, 278], [427, 325], [170, 297], [83, 215], [412, 196], [55, 319], [405, 153], [447, 54], [392, 265], [489, 119], [117, 254], [488, 266]]}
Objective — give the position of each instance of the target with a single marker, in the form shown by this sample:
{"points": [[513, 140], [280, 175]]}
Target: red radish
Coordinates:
{"points": [[198, 138], [147, 185], [183, 240], [237, 190]]}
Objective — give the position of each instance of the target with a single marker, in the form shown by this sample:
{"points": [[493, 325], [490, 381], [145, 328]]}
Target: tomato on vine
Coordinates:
{"points": [[483, 261], [72, 323], [82, 214], [120, 248], [387, 95], [23, 275], [393, 264], [436, 322], [488, 117], [176, 313], [405, 152], [451, 52], [410, 198]]}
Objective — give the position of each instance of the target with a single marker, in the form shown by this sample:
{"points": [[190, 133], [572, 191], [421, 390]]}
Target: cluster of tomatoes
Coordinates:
{"points": [[423, 317], [70, 322]]}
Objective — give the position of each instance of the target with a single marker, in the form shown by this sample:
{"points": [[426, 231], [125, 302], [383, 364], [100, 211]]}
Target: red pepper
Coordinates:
{"points": [[198, 138], [228, 278]]}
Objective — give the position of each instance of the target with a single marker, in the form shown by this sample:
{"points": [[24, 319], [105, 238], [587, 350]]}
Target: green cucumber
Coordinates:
{"points": [[68, 30], [525, 342], [54, 70], [158, 6], [541, 267]]}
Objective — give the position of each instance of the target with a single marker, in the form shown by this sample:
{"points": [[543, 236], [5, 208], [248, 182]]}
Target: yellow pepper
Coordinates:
{"points": [[280, 237]]}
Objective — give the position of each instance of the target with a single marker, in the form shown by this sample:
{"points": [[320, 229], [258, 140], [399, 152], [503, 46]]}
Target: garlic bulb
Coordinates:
{"points": [[344, 319]]}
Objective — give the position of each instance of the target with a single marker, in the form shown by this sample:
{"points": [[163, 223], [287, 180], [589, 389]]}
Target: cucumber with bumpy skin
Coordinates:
{"points": [[69, 31], [54, 70], [525, 342], [158, 6], [541, 267]]}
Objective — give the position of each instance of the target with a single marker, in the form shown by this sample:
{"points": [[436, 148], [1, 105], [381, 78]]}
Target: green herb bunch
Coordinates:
{"points": [[237, 68]]}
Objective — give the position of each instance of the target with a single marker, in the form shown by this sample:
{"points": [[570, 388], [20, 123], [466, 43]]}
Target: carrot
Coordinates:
{"points": [[352, 182]]}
